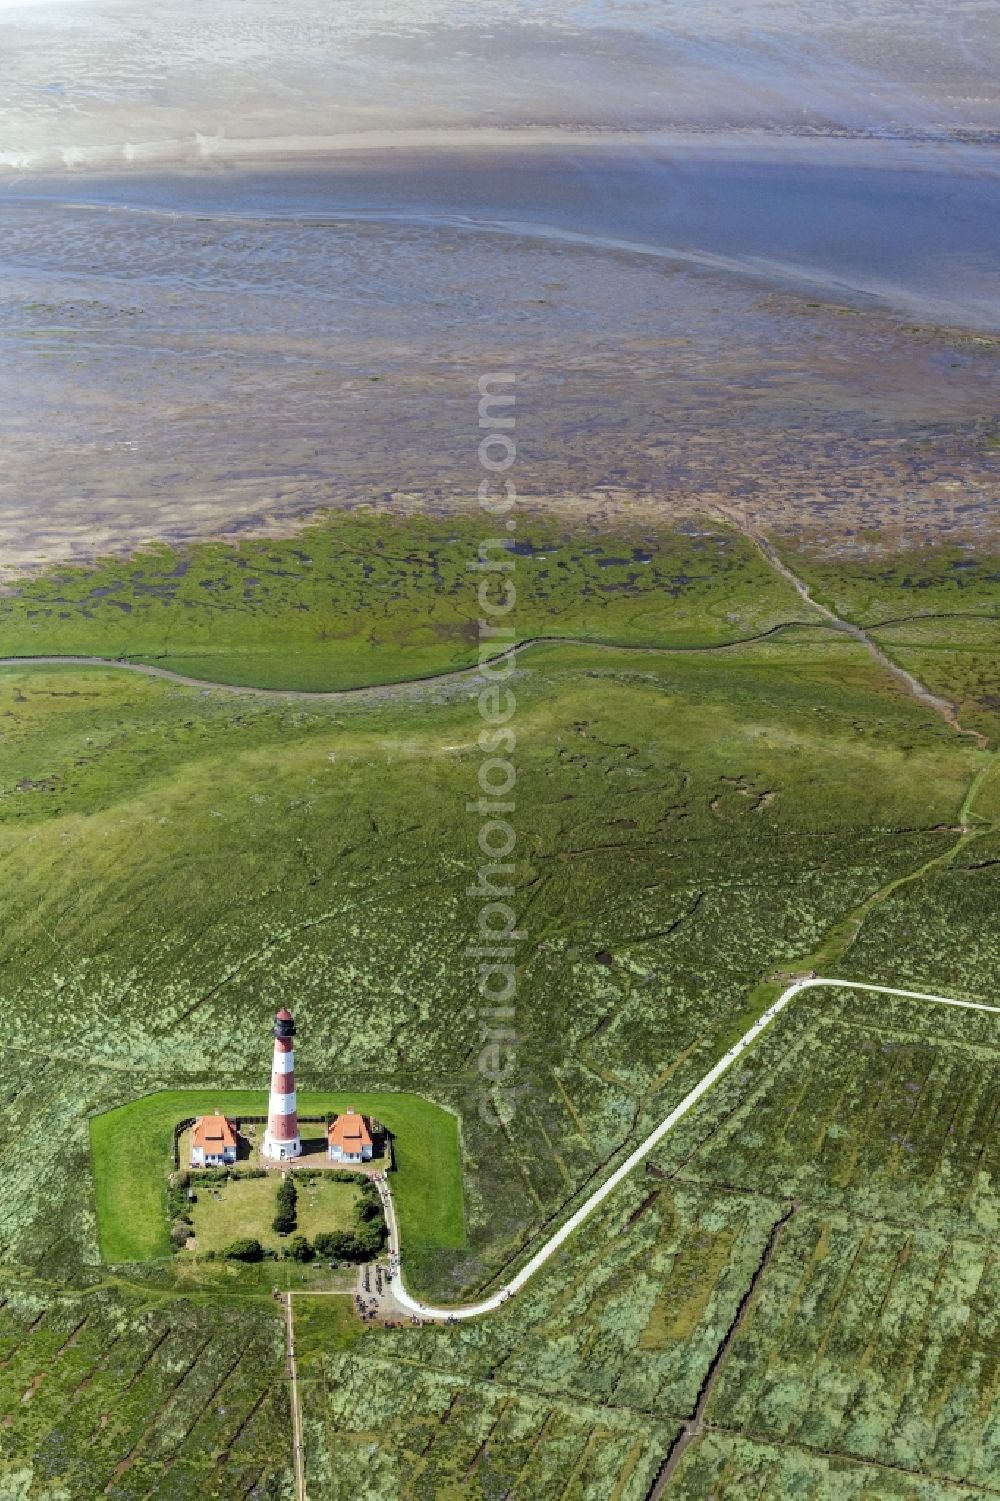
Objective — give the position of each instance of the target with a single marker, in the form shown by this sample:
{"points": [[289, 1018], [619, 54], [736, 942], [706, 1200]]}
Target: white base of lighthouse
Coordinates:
{"points": [[280, 1151]]}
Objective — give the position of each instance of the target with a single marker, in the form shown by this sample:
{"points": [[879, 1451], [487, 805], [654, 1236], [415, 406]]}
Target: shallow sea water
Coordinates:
{"points": [[708, 298]]}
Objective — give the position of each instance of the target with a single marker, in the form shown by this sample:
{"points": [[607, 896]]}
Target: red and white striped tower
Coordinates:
{"points": [[281, 1139]]}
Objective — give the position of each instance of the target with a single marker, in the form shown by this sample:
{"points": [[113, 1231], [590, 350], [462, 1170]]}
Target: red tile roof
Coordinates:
{"points": [[349, 1132], [213, 1133]]}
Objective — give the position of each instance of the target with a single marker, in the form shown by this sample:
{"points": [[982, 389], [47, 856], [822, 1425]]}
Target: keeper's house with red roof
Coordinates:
{"points": [[348, 1139], [213, 1141]]}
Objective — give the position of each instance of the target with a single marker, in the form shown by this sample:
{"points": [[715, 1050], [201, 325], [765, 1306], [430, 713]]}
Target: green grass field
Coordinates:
{"points": [[132, 1159], [175, 864], [835, 1190], [367, 597], [894, 585], [107, 1391], [244, 1208], [934, 611]]}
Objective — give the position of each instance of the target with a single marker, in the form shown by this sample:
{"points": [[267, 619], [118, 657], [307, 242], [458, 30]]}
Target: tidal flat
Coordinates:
{"points": [[225, 353]]}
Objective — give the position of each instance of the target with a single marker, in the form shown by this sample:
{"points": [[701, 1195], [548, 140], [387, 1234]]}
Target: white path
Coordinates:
{"points": [[552, 1245]]}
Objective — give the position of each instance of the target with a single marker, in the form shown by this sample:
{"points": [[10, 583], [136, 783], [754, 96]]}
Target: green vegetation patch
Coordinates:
{"points": [[323, 1325], [876, 1106], [111, 1392], [901, 585], [241, 1206], [132, 1150], [875, 1341], [956, 658], [176, 864], [380, 1426], [754, 1471], [940, 932], [366, 597], [832, 1188], [701, 818]]}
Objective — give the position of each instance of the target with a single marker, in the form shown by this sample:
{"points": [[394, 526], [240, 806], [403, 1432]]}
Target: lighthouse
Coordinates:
{"points": [[281, 1139]]}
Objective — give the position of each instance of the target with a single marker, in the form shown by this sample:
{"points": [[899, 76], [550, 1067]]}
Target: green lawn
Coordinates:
{"points": [[131, 1150], [239, 1207], [322, 1325]]}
